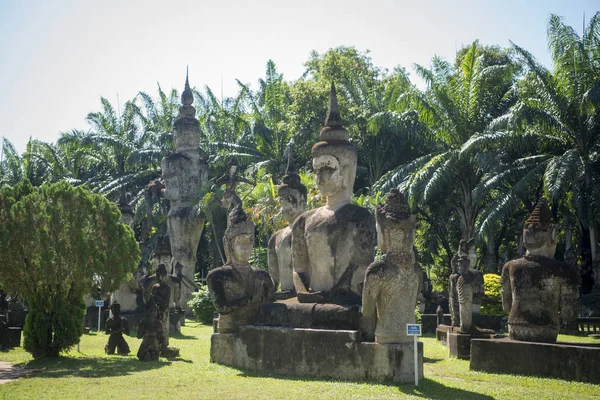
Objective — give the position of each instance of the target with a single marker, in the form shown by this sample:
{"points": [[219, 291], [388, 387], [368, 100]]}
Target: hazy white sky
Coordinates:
{"points": [[58, 57]]}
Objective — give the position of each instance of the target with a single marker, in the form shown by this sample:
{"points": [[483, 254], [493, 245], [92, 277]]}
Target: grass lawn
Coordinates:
{"points": [[92, 374]]}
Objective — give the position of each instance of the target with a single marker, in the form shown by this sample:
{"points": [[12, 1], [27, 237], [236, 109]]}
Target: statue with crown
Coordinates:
{"points": [[319, 265]]}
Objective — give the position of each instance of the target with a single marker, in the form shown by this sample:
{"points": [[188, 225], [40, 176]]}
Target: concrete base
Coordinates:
{"points": [[315, 353], [441, 333], [459, 345], [12, 337], [577, 362]]}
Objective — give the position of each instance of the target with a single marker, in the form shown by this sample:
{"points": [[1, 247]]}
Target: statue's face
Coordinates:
{"points": [[463, 266], [329, 175], [242, 246], [540, 241], [292, 204]]}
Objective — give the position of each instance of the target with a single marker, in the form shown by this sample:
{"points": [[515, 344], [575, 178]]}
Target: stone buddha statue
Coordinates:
{"points": [[469, 288], [237, 288], [292, 197], [333, 245], [466, 248], [539, 292], [391, 286]]}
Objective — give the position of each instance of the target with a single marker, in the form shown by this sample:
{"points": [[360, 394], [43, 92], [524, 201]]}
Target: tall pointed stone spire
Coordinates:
{"points": [[333, 129], [186, 128]]}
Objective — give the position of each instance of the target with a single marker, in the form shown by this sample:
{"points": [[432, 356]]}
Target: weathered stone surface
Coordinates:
{"points": [[316, 353], [292, 196], [540, 293], [391, 286], [459, 345], [116, 326], [290, 313], [570, 361], [184, 173], [333, 245], [237, 288]]}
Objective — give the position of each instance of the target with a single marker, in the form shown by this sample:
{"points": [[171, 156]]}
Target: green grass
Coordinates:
{"points": [[92, 374]]}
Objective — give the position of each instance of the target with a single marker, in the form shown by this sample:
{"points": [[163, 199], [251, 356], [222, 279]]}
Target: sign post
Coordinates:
{"points": [[414, 330], [99, 304]]}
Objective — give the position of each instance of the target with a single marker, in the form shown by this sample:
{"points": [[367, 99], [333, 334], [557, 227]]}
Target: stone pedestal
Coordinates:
{"points": [[316, 353], [441, 333], [570, 361], [12, 337], [459, 345]]}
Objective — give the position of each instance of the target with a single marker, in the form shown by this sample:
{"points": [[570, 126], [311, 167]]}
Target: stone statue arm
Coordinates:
{"points": [[272, 261], [506, 289], [368, 321], [363, 252], [569, 303], [216, 280], [125, 326], [300, 260]]}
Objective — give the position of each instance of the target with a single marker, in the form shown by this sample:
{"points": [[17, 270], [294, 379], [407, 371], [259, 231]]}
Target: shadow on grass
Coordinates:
{"points": [[179, 335], [428, 360], [91, 367], [428, 389]]}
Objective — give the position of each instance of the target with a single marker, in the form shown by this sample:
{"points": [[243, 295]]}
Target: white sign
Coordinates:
{"points": [[413, 329], [99, 303]]}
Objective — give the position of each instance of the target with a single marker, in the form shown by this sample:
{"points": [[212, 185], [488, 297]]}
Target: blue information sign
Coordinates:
{"points": [[99, 303], [413, 329]]}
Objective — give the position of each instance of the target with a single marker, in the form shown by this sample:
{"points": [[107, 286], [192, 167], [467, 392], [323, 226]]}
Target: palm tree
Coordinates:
{"points": [[555, 126], [459, 102]]}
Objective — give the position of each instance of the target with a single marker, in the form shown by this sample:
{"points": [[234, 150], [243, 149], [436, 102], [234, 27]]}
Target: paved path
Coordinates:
{"points": [[9, 372]]}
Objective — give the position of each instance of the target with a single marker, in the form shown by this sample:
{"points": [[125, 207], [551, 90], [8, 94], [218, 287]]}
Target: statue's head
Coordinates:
{"points": [[161, 272], [239, 237], [334, 157], [395, 224], [115, 309], [467, 248], [463, 264], [292, 193], [539, 233]]}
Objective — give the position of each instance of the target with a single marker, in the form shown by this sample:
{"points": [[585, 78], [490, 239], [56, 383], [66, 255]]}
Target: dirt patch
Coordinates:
{"points": [[9, 372]]}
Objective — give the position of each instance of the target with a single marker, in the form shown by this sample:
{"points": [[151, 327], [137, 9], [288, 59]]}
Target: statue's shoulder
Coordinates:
{"points": [[357, 213], [261, 275], [223, 272], [379, 268], [278, 236]]}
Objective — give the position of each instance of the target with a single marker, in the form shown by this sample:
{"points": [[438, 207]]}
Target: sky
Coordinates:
{"points": [[57, 58]]}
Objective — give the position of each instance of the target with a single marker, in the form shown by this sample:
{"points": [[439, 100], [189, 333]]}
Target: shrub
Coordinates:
{"points": [[202, 305], [492, 299]]}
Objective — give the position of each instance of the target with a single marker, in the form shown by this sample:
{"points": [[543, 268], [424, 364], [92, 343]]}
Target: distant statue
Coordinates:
{"points": [[116, 326], [539, 292], [439, 312], [466, 248], [469, 287], [391, 286], [333, 245], [155, 327], [236, 288], [292, 196]]}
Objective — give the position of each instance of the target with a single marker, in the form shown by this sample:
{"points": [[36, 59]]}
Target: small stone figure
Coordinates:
{"points": [[466, 248], [333, 245], [439, 312], [469, 286], [237, 287], [155, 327], [292, 196], [539, 292], [391, 286], [116, 326]]}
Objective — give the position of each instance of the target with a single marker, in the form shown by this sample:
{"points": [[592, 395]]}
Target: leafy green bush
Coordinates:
{"points": [[202, 305], [492, 299]]}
